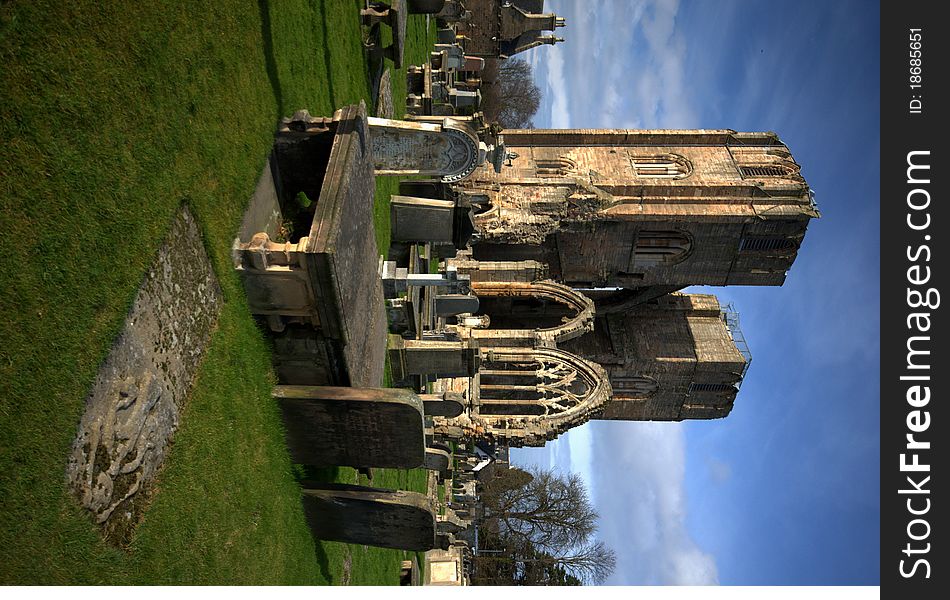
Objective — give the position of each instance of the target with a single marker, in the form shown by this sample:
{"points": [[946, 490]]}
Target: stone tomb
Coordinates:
{"points": [[320, 293]]}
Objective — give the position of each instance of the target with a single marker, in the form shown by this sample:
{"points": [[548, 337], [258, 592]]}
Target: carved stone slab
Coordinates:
{"points": [[133, 408], [370, 516], [448, 150], [353, 427]]}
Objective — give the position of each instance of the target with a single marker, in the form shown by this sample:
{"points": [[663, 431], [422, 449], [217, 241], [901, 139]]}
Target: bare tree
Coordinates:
{"points": [[522, 564], [509, 94], [551, 511]]}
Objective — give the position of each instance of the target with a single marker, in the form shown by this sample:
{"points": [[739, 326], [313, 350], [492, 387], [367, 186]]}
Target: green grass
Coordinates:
{"points": [[113, 114]]}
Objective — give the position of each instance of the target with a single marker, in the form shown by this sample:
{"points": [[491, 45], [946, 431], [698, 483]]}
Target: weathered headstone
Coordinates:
{"points": [[449, 305], [370, 516], [421, 219], [451, 523], [449, 150], [354, 427], [437, 460], [447, 404], [440, 358], [393, 14]]}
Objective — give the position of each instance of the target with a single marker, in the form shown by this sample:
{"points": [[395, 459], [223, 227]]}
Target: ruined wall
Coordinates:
{"points": [[598, 205], [667, 360]]}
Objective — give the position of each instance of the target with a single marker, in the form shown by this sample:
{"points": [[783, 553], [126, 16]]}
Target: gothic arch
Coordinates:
{"points": [[581, 306], [529, 395]]}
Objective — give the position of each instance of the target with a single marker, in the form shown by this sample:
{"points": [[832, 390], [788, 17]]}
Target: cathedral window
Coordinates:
{"points": [[662, 166], [654, 248]]}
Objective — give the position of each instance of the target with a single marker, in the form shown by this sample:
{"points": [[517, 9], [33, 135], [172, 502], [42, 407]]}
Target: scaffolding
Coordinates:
{"points": [[731, 318]]}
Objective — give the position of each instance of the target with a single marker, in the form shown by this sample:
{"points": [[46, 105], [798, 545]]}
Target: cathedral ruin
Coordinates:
{"points": [[582, 242]]}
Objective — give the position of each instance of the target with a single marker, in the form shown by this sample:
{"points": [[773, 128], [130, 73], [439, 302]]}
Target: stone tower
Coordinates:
{"points": [[681, 356], [645, 209]]}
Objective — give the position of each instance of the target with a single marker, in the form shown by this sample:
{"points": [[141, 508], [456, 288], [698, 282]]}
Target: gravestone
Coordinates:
{"points": [[394, 14], [421, 219], [353, 427], [447, 404], [370, 516], [451, 523], [439, 358], [437, 460], [449, 305], [448, 150]]}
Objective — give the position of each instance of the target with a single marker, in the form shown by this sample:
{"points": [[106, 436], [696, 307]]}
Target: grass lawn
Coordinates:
{"points": [[113, 114]]}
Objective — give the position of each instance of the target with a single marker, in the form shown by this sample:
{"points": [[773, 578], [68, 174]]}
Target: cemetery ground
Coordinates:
{"points": [[113, 115]]}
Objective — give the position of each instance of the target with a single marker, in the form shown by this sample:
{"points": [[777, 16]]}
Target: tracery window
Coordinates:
{"points": [[534, 386], [662, 166]]}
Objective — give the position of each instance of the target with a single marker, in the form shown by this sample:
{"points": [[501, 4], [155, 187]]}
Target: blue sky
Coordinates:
{"points": [[785, 490]]}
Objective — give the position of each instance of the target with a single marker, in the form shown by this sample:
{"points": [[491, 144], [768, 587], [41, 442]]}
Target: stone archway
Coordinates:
{"points": [[578, 309]]}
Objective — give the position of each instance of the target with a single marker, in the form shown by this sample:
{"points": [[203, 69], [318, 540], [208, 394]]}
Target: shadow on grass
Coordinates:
{"points": [[270, 62], [322, 560], [316, 474], [306, 476], [327, 61]]}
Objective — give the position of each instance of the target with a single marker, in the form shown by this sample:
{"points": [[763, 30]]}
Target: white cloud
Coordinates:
{"points": [[641, 469], [636, 474], [633, 78]]}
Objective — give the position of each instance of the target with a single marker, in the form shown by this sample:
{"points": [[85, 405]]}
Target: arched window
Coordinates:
{"points": [[639, 387], [761, 243], [655, 248], [557, 167], [661, 166], [545, 311]]}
